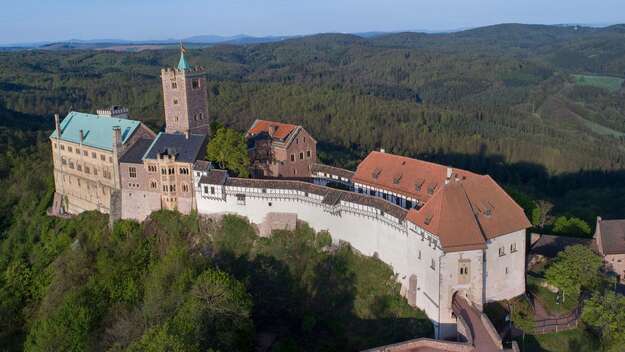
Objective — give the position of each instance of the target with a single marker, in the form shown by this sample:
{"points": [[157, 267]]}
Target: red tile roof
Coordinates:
{"points": [[276, 130], [465, 214], [410, 177]]}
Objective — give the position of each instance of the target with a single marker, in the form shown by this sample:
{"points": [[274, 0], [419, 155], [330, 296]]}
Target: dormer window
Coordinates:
{"points": [[419, 184], [432, 188], [397, 179], [428, 219], [376, 173]]}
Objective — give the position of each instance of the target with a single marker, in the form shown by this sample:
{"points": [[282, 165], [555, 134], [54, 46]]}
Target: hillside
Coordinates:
{"points": [[505, 100]]}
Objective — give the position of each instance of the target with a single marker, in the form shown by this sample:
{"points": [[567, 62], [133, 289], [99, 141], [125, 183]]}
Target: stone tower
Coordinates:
{"points": [[185, 98]]}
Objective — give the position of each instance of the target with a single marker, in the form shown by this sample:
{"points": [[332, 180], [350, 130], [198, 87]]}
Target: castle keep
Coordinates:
{"points": [[446, 232]]}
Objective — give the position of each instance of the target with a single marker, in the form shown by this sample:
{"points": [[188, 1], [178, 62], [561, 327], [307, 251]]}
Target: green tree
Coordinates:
{"points": [[605, 314], [574, 268], [571, 226], [228, 149]]}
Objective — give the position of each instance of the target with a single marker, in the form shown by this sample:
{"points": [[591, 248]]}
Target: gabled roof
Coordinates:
{"points": [[612, 236], [449, 216], [97, 130], [186, 149], [276, 130], [466, 214], [411, 177]]}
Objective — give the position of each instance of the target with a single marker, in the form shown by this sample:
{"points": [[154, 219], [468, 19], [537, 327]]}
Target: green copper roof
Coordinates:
{"points": [[97, 130], [183, 64]]}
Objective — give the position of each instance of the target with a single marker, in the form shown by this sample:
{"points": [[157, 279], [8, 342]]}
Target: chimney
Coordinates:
{"points": [[82, 136], [57, 125], [117, 140], [117, 150]]}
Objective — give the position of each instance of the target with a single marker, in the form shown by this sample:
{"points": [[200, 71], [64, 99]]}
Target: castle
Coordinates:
{"points": [[446, 232]]}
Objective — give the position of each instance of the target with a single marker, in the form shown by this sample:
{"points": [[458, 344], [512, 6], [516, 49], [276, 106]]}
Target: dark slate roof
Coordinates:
{"points": [[185, 149], [314, 168], [214, 177], [135, 154], [612, 236], [331, 195], [202, 165]]}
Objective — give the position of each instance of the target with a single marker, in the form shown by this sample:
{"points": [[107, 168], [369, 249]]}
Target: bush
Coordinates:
{"points": [[571, 227]]}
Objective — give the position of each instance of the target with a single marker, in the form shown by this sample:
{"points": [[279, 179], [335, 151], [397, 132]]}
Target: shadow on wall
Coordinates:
{"points": [[314, 308]]}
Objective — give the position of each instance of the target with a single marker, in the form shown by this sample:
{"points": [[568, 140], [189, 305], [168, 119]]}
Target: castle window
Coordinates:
{"points": [[132, 172], [85, 153], [93, 155], [163, 171], [171, 170], [87, 170], [241, 199], [205, 189], [63, 161], [71, 165], [507, 271], [176, 102], [201, 116], [185, 188], [110, 159], [62, 147], [301, 156], [151, 168], [164, 188], [292, 157], [78, 151], [107, 174], [433, 265], [513, 248], [195, 83], [174, 85], [69, 149], [308, 154], [212, 190], [419, 254], [102, 157], [95, 172], [153, 184], [502, 251]]}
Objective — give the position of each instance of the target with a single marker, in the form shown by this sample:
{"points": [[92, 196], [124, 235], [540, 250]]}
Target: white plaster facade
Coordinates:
{"points": [[429, 276]]}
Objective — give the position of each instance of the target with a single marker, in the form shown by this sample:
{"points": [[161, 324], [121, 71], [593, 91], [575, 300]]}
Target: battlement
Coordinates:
{"points": [[171, 71], [114, 111]]}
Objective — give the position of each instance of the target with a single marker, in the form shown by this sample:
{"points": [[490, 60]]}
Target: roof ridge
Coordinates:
{"points": [[473, 212]]}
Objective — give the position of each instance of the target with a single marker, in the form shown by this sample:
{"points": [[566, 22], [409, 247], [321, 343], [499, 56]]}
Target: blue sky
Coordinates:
{"points": [[39, 20]]}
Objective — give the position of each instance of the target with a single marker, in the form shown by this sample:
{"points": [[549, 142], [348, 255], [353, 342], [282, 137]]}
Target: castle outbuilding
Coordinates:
{"points": [[280, 150]]}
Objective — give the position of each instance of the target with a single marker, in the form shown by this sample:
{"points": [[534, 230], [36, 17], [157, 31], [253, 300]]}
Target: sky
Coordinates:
{"points": [[54, 20]]}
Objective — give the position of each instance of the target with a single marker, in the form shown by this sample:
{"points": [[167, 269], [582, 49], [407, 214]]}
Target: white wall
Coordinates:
{"points": [[363, 227], [505, 275]]}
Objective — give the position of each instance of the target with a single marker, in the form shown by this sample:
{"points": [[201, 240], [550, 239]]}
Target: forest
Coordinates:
{"points": [[505, 100]]}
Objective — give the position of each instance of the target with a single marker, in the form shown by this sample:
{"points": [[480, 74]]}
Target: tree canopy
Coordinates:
{"points": [[574, 268], [228, 149]]}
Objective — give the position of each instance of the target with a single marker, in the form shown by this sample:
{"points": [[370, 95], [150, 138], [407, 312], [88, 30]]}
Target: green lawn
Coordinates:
{"points": [[566, 341], [548, 298], [612, 84]]}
